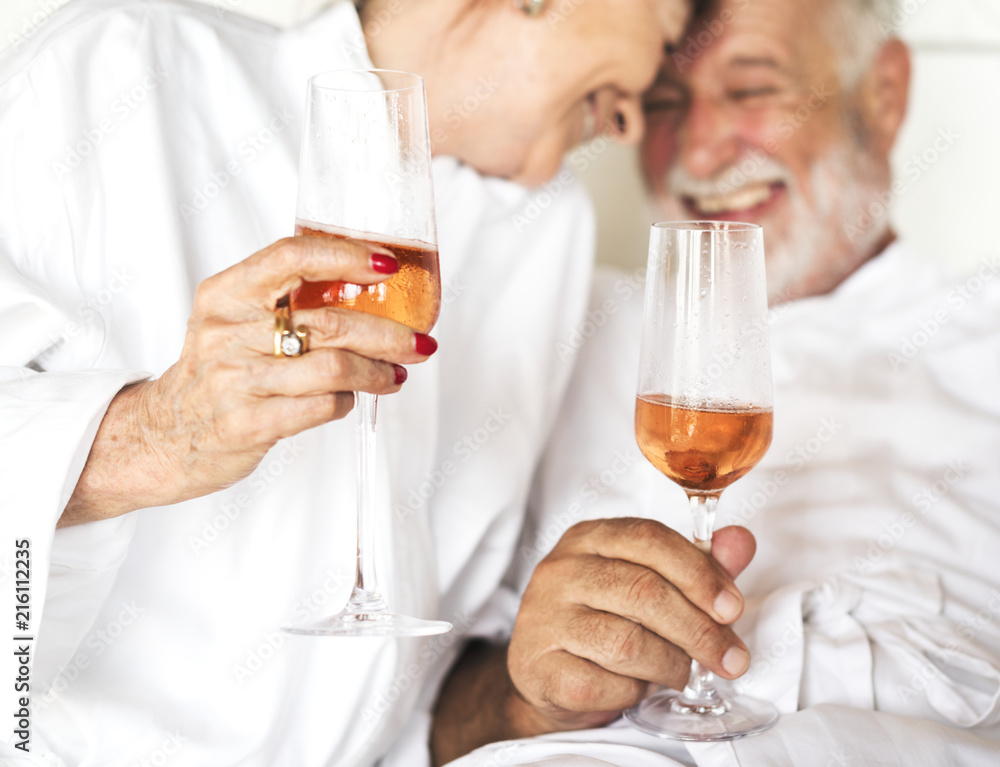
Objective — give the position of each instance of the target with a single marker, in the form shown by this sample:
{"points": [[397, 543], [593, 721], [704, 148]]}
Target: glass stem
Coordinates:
{"points": [[366, 599], [700, 695], [703, 513]]}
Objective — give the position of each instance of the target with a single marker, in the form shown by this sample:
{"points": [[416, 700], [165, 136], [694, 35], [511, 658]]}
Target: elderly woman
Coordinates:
{"points": [[179, 490]]}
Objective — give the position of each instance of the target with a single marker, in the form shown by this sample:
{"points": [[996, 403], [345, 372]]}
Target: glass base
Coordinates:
{"points": [[665, 716], [380, 624]]}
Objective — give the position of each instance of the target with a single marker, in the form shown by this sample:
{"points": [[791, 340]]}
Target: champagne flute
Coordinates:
{"points": [[365, 172], [703, 418]]}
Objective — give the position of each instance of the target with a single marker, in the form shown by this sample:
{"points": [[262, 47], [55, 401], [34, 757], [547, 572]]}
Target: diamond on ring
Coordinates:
{"points": [[291, 345], [288, 343]]}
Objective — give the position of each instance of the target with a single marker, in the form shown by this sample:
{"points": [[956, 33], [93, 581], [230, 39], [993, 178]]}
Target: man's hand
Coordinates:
{"points": [[211, 417], [620, 604]]}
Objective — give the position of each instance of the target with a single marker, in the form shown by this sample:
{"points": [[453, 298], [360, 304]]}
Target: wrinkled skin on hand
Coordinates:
{"points": [[618, 607], [212, 416]]}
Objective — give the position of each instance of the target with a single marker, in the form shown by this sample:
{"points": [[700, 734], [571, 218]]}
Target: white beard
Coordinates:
{"points": [[810, 251]]}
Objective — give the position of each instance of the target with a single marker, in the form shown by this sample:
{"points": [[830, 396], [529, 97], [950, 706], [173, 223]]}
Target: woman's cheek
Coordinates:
{"points": [[544, 157]]}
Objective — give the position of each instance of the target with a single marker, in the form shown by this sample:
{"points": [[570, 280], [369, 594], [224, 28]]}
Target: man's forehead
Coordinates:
{"points": [[779, 18], [746, 34]]}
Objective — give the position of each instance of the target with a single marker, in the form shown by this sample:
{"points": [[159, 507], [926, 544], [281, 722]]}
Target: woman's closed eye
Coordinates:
{"points": [[664, 100]]}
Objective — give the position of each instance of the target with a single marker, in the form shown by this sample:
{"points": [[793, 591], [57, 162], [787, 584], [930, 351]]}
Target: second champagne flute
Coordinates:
{"points": [[365, 173], [703, 418]]}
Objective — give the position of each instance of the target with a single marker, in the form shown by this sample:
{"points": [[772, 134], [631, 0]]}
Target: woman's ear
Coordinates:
{"points": [[885, 93]]}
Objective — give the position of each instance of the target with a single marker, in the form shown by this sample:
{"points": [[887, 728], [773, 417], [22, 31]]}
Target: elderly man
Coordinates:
{"points": [[872, 604]]}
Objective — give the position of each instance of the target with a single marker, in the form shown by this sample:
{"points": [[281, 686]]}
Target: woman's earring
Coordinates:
{"points": [[530, 7]]}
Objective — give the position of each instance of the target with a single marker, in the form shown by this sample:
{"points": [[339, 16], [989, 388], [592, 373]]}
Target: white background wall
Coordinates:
{"points": [[951, 211]]}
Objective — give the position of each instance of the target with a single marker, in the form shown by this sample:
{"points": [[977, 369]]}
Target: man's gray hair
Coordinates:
{"points": [[857, 29]]}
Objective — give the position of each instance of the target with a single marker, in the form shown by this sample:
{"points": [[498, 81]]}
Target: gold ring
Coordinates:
{"points": [[288, 342]]}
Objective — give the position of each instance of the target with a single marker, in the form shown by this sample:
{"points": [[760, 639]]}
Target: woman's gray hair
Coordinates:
{"points": [[857, 29]]}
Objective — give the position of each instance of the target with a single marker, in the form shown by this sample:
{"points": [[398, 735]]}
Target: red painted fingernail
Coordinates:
{"points": [[384, 264], [400, 374], [424, 344]]}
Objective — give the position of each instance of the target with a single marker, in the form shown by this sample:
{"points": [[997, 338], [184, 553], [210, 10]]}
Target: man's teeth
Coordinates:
{"points": [[741, 199]]}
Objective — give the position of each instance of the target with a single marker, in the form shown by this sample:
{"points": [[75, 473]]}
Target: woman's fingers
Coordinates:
{"points": [[320, 371], [251, 287], [366, 334], [228, 399], [256, 425], [275, 418]]}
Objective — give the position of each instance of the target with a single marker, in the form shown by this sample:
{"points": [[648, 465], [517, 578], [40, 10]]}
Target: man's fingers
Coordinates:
{"points": [[646, 542], [576, 684], [620, 604], [276, 270], [733, 547], [625, 648], [642, 596]]}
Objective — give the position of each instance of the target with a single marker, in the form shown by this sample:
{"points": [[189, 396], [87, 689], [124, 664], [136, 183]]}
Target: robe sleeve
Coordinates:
{"points": [[52, 400], [48, 421]]}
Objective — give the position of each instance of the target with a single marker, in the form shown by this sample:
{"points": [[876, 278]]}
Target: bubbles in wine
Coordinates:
{"points": [[411, 296]]}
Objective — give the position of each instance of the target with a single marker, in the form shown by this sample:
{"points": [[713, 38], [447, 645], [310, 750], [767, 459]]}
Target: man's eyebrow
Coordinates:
{"points": [[756, 61]]}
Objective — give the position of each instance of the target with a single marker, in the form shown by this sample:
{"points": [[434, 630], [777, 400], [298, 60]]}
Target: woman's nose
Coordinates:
{"points": [[627, 121]]}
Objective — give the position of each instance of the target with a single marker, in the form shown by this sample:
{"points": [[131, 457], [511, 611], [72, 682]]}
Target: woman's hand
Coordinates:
{"points": [[211, 417], [618, 605]]}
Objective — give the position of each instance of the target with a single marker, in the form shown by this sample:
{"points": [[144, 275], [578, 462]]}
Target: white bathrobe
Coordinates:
{"points": [[873, 602], [145, 145]]}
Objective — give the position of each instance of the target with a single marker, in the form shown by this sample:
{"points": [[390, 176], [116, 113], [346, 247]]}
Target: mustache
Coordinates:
{"points": [[748, 171]]}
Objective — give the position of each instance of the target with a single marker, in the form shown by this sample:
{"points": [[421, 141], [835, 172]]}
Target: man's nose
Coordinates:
{"points": [[709, 140]]}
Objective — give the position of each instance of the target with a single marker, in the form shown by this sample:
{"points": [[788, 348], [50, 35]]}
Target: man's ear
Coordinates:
{"points": [[885, 92]]}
